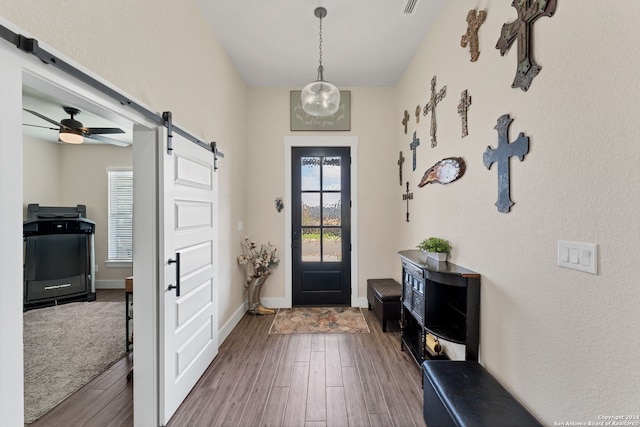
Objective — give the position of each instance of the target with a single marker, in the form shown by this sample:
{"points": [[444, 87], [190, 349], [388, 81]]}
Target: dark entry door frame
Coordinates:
{"points": [[322, 141]]}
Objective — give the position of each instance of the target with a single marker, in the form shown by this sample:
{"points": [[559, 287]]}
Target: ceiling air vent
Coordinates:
{"points": [[410, 7]]}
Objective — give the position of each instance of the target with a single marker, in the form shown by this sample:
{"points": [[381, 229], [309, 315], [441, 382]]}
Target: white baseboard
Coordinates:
{"points": [[275, 303], [109, 284], [360, 302], [226, 329]]}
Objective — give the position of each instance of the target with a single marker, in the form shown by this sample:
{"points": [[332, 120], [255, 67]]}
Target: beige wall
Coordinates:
{"points": [[372, 122], [163, 54], [565, 342], [42, 177]]}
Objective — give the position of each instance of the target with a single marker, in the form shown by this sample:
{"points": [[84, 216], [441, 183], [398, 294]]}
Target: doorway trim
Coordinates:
{"points": [[321, 141]]}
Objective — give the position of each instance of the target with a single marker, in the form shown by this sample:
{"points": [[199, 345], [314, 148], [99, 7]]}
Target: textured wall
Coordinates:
{"points": [[565, 342]]}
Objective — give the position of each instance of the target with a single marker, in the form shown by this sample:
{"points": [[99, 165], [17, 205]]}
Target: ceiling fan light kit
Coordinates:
{"points": [[320, 98], [70, 137], [72, 131]]}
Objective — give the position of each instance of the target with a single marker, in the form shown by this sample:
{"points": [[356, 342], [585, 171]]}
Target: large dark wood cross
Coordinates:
{"points": [[501, 155], [400, 162], [431, 106], [407, 196], [414, 144], [528, 12]]}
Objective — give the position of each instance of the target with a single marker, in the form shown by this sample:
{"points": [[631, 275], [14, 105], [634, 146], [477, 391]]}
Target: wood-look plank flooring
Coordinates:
{"points": [[305, 380]]}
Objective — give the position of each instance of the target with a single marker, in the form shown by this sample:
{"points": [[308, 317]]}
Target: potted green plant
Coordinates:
{"points": [[435, 248]]}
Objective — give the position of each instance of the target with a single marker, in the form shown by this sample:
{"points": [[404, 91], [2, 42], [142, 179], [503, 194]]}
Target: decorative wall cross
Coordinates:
{"points": [[501, 155], [474, 21], [528, 12], [418, 114], [407, 196], [463, 106], [414, 144], [431, 106], [400, 162], [405, 120]]}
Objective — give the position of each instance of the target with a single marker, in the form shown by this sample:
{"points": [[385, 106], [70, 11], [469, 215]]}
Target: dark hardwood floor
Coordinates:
{"points": [[275, 380]]}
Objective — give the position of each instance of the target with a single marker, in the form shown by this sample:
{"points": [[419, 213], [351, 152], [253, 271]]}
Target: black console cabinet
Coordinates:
{"points": [[440, 298]]}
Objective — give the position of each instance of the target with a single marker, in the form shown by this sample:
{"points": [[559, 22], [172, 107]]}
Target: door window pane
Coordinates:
{"points": [[331, 245], [331, 209], [310, 209], [331, 174], [310, 244], [310, 173]]}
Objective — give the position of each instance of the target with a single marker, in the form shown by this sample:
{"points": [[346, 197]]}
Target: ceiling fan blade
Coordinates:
{"points": [[35, 113], [108, 140], [38, 126], [93, 131]]}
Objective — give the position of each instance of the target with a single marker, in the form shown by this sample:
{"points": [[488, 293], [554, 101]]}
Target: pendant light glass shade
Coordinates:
{"points": [[320, 98]]}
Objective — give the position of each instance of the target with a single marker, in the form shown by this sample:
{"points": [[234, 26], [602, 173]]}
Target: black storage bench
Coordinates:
{"points": [[463, 393], [383, 296]]}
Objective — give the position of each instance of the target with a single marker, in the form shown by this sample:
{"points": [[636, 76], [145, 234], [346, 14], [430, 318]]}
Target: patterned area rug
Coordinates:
{"points": [[319, 320], [65, 347]]}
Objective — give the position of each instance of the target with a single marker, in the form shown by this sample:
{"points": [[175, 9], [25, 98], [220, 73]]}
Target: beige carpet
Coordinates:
{"points": [[319, 320], [67, 346]]}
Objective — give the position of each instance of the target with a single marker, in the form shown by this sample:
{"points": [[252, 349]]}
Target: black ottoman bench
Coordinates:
{"points": [[463, 393], [383, 296]]}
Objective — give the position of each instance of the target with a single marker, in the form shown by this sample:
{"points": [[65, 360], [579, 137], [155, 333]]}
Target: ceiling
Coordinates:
{"points": [[365, 42]]}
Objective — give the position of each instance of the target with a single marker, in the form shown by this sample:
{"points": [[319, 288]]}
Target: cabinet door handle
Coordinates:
{"points": [[177, 263]]}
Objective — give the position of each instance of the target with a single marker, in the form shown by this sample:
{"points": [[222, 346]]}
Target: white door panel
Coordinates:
{"points": [[190, 340]]}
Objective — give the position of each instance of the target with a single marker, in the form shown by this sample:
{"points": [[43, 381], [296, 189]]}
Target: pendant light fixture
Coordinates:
{"points": [[320, 98]]}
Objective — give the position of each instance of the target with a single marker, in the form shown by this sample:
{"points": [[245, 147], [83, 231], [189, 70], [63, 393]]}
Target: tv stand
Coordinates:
{"points": [[439, 298]]}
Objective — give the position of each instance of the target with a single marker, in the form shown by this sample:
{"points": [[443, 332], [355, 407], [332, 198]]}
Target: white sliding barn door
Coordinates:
{"points": [[189, 337]]}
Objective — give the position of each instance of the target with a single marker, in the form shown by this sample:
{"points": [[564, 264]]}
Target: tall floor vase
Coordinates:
{"points": [[253, 292]]}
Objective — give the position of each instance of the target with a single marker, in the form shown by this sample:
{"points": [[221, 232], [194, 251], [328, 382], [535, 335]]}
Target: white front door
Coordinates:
{"points": [[189, 337]]}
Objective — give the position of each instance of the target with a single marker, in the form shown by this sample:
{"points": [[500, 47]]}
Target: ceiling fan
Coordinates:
{"points": [[72, 131]]}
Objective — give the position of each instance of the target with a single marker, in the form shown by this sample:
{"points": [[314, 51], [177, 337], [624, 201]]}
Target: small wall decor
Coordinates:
{"points": [[444, 172], [405, 120], [418, 109], [407, 196], [341, 120], [474, 21], [528, 13], [400, 162], [463, 106], [501, 155], [431, 106], [279, 204], [414, 144]]}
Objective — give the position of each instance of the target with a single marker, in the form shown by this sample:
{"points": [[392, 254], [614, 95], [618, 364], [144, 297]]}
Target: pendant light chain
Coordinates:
{"points": [[320, 40]]}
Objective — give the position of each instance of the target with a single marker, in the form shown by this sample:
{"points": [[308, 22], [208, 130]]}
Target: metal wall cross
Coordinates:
{"points": [[414, 144], [528, 12], [474, 21], [400, 162], [501, 155], [405, 121], [418, 109], [463, 106], [431, 106], [407, 196]]}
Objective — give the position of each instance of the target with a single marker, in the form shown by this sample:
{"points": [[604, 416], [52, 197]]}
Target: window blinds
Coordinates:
{"points": [[120, 215]]}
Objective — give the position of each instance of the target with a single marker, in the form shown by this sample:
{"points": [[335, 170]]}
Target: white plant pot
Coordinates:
{"points": [[438, 256]]}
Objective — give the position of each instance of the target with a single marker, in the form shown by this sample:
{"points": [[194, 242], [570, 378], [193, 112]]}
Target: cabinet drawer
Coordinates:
{"points": [[413, 270]]}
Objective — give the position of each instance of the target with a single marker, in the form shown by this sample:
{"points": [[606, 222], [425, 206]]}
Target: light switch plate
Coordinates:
{"points": [[578, 256]]}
